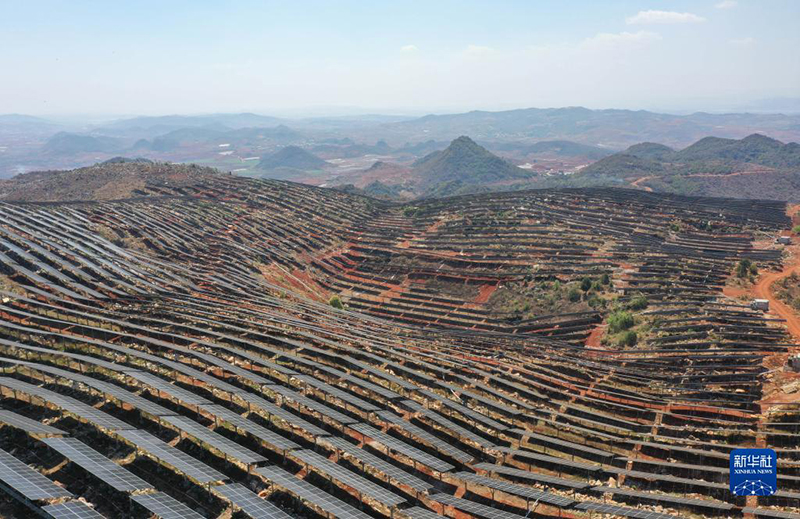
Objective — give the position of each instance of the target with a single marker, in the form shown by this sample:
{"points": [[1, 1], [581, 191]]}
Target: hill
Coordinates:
{"points": [[462, 166], [115, 179], [65, 143], [292, 157], [755, 166], [232, 346], [708, 155], [650, 151]]}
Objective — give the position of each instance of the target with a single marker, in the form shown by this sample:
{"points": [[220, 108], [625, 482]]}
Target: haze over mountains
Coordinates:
{"points": [[436, 155]]}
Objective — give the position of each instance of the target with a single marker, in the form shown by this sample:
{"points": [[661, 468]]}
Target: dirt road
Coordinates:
{"points": [[763, 290]]}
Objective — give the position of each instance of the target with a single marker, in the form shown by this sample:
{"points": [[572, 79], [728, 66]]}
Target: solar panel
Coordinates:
{"points": [[254, 506], [249, 426], [466, 411], [135, 400], [177, 459], [219, 442], [427, 437], [338, 393], [171, 389], [533, 455], [702, 503], [403, 448], [313, 405], [29, 482], [452, 426], [351, 479], [308, 492], [381, 465], [96, 464], [165, 506], [72, 510], [621, 511], [759, 512], [26, 424], [474, 508], [421, 513], [283, 414], [69, 404], [532, 476], [517, 490]]}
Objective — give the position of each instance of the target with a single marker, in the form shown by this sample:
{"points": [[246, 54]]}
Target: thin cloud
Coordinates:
{"points": [[748, 41], [478, 51], [726, 4], [663, 17], [409, 49], [605, 39]]}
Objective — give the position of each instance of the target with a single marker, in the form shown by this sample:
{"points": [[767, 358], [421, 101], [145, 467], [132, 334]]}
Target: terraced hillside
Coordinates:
{"points": [[175, 355]]}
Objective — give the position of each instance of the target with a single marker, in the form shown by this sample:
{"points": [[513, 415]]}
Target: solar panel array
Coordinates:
{"points": [[380, 464], [168, 454], [402, 447], [285, 415], [128, 327], [421, 513], [440, 444], [217, 441], [474, 508], [254, 506], [242, 423], [172, 390], [97, 465], [649, 496], [762, 512], [69, 404], [621, 511], [355, 481], [26, 424], [165, 506], [322, 409], [310, 493], [72, 510], [27, 481], [517, 490]]}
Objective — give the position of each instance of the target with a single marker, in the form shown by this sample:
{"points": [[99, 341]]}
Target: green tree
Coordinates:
{"points": [[574, 295], [620, 320], [336, 302], [637, 303], [628, 338], [745, 268]]}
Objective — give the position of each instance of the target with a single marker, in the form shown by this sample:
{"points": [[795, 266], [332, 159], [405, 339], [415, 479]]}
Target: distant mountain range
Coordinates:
{"points": [[710, 155], [64, 143], [613, 129]]}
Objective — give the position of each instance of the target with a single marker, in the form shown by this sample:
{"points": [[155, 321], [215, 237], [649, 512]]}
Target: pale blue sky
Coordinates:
{"points": [[292, 57]]}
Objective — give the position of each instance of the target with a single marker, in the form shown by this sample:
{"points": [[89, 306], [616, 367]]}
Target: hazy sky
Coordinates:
{"points": [[158, 57]]}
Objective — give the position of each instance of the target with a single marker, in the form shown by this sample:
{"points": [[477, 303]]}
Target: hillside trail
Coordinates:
{"points": [[763, 287], [638, 182]]}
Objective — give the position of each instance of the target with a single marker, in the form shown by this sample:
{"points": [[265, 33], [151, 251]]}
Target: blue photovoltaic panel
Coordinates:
{"points": [[27, 481]]}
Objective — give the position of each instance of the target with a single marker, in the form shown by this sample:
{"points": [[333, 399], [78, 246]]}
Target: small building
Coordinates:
{"points": [[794, 362], [760, 304], [784, 240]]}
